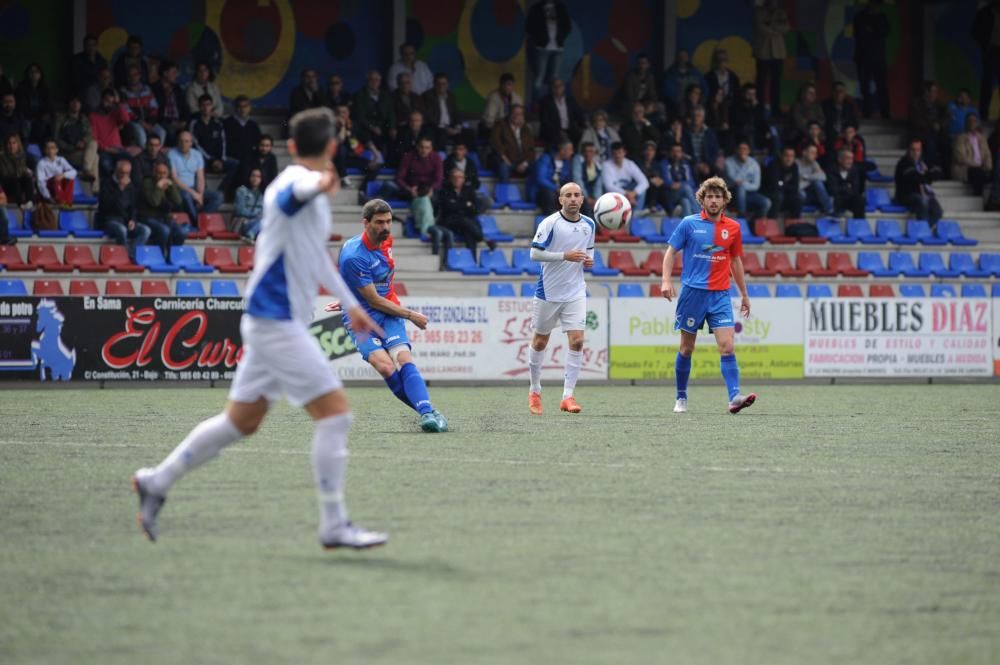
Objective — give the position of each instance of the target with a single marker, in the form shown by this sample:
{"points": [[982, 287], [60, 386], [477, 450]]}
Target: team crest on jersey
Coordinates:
{"points": [[725, 234], [690, 322]]}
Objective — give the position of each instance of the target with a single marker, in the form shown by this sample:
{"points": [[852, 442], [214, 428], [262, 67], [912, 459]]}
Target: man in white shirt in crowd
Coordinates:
{"points": [[624, 176]]}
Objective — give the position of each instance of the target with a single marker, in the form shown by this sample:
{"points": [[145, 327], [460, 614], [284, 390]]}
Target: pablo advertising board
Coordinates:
{"points": [[481, 339], [644, 343], [898, 337]]}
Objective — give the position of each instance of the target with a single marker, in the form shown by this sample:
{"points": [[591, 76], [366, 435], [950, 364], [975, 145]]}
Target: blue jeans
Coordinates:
{"points": [[751, 204], [166, 233], [816, 194], [251, 227], [212, 202], [117, 229], [683, 196], [141, 133], [545, 64]]}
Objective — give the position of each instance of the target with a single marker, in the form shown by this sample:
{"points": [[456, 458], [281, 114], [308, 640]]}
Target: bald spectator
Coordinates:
{"points": [[420, 74], [117, 208], [513, 145], [913, 184], [187, 168]]}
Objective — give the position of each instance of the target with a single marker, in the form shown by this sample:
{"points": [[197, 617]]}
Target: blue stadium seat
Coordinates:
{"points": [[995, 292], [184, 256], [33, 149], [14, 226], [645, 228], [496, 261], [933, 262], [601, 270], [372, 190], [508, 194], [151, 257], [668, 226], [902, 262], [52, 233], [461, 260], [627, 290], [973, 290], [912, 291], [483, 173], [528, 289], [879, 198], [189, 287], [990, 263], [859, 229], [872, 262], [75, 222], [13, 287], [81, 197], [920, 230], [948, 229], [819, 291], [943, 291], [788, 291], [758, 291], [500, 290], [830, 229], [521, 258], [538, 220], [734, 292], [749, 237], [874, 175], [225, 288], [491, 231], [963, 264], [890, 231]]}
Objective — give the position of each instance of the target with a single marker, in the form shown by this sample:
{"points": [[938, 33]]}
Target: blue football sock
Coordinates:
{"points": [[415, 388], [682, 368], [395, 383], [731, 373]]}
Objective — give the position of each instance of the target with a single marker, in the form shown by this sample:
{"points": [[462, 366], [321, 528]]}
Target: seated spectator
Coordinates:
{"points": [[354, 149], [701, 145], [498, 104], [680, 75], [142, 107], [849, 139], [263, 160], [94, 93], [105, 125], [748, 119], [307, 94], [203, 84], [404, 100], [11, 121], [721, 76], [420, 176], [637, 131], [55, 177], [812, 181], [743, 176], [132, 57], [154, 63], [187, 168], [336, 94], [16, 177], [210, 138], [805, 110], [457, 215], [781, 185], [958, 109], [693, 98], [160, 197], [420, 74], [640, 87], [717, 116], [248, 210], [459, 159], [35, 105], [839, 111], [673, 134], [86, 64], [372, 113], [513, 146], [624, 176], [552, 170], [601, 135], [116, 210], [407, 138], [5, 238], [846, 183], [441, 113], [170, 99], [76, 141], [678, 176], [241, 131], [5, 83], [560, 115], [144, 164], [653, 169], [587, 174], [814, 137], [972, 161], [913, 184], [928, 122]]}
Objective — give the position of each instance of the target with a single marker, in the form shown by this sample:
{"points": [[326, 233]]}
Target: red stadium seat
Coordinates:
{"points": [[44, 256], [810, 263], [655, 291], [841, 262], [400, 289], [183, 218], [654, 263], [116, 287], [214, 224], [117, 258], [778, 262], [10, 259], [850, 291], [155, 287], [678, 265], [246, 256], [621, 235], [752, 266], [83, 287], [222, 259], [82, 258], [881, 291], [768, 228], [623, 261], [45, 287]]}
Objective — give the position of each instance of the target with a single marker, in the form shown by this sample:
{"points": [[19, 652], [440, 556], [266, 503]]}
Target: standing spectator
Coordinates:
{"points": [[849, 139], [86, 65], [499, 103], [16, 177], [203, 84], [105, 125], [241, 131], [871, 32], [457, 213], [913, 184], [680, 76], [116, 210], [262, 158], [587, 174], [307, 94], [160, 197], [372, 113], [547, 26], [187, 168], [986, 33], [958, 110], [640, 87], [459, 159], [34, 103], [561, 116], [812, 181], [748, 119], [143, 110], [601, 135], [76, 141], [805, 110], [404, 100], [11, 121], [770, 23], [717, 116], [513, 146], [653, 169], [420, 74], [132, 57], [248, 210], [420, 176], [839, 111], [92, 97], [624, 176], [171, 102], [210, 138], [701, 145], [637, 131], [972, 161], [846, 182], [145, 163], [814, 137], [441, 113], [355, 149], [409, 135], [678, 174], [55, 177], [5, 238], [781, 185], [721, 76], [743, 176], [336, 95], [928, 121], [552, 170]]}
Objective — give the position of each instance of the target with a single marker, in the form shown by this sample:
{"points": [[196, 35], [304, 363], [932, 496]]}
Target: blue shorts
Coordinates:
{"points": [[695, 306], [395, 334]]}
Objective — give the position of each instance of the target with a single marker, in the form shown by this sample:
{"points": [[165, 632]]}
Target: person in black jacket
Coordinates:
{"points": [[846, 182], [457, 211], [871, 31], [781, 185], [263, 159], [459, 159], [173, 109], [984, 33], [409, 135], [547, 26], [117, 207], [913, 185], [86, 64], [307, 94], [748, 119], [560, 115]]}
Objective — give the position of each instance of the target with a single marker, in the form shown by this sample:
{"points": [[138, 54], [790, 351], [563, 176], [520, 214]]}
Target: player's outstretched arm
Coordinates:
{"points": [[667, 285], [377, 302], [740, 278], [545, 256]]}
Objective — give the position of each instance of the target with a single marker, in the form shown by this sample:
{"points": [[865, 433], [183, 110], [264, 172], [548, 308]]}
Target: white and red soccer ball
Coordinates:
{"points": [[612, 211]]}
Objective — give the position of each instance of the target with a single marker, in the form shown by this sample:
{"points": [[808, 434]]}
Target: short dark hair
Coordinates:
{"points": [[205, 98], [375, 207], [167, 65], [240, 99], [266, 137], [506, 76], [153, 135], [134, 39], [311, 130], [617, 145], [108, 92], [587, 144], [89, 37]]}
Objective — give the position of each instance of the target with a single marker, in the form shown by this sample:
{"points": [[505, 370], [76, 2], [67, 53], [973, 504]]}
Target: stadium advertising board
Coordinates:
{"points": [[898, 337], [996, 336], [644, 343]]}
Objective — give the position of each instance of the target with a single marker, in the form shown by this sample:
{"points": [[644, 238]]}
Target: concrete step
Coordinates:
{"points": [[883, 142]]}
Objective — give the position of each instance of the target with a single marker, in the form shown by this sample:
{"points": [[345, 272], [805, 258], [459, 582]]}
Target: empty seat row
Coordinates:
{"points": [[632, 290], [900, 263], [890, 231], [115, 257], [220, 288]]}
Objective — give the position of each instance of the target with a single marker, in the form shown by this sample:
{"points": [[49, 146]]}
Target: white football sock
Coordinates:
{"points": [[573, 361], [204, 443], [329, 456], [535, 360]]}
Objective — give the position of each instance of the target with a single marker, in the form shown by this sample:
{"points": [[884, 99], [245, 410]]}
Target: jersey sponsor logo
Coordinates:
{"points": [[712, 249], [698, 231]]}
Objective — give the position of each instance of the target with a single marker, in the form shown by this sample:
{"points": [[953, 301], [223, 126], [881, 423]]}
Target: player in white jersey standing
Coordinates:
{"points": [[564, 245], [280, 357]]}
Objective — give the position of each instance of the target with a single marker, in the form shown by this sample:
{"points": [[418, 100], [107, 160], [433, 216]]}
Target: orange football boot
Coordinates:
{"points": [[569, 404]]}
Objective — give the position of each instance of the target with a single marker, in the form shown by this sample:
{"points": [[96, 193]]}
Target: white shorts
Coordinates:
{"points": [[572, 315], [281, 358]]}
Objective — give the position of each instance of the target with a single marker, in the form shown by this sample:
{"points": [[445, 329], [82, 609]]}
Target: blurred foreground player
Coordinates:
{"points": [[712, 246], [279, 354]]}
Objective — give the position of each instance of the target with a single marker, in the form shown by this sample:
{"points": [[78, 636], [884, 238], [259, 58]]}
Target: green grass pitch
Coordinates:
{"points": [[827, 524]]}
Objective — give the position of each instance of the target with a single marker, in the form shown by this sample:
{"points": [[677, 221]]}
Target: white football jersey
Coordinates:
{"points": [[562, 281]]}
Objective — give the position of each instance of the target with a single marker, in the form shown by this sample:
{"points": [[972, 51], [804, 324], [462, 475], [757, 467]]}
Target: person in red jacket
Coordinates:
{"points": [[105, 124]]}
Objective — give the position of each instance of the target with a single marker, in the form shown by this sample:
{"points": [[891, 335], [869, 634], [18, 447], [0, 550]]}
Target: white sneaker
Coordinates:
{"points": [[352, 536], [681, 406]]}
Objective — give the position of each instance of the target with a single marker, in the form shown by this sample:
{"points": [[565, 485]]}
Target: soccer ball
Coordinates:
{"points": [[612, 211]]}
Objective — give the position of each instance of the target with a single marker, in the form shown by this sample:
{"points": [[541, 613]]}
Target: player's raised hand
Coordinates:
{"points": [[575, 255], [418, 319], [362, 325], [745, 307], [333, 307], [667, 290]]}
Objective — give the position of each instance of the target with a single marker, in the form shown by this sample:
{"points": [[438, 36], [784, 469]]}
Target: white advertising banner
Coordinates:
{"points": [[484, 339], [898, 337], [996, 336]]}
